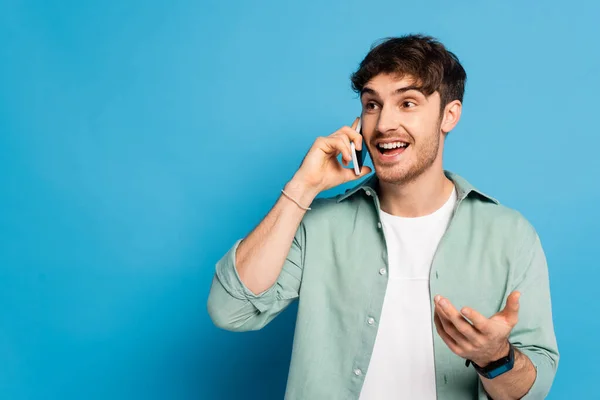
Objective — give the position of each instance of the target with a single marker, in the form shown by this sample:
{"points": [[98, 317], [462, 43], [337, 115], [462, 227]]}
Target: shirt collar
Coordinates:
{"points": [[463, 187]]}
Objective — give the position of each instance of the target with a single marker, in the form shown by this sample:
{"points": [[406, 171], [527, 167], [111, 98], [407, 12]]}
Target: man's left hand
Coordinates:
{"points": [[482, 341]]}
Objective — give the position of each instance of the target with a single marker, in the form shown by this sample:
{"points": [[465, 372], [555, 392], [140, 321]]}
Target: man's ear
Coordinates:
{"points": [[451, 116]]}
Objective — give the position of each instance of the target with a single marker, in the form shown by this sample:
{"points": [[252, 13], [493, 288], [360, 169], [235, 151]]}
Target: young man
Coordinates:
{"points": [[412, 285]]}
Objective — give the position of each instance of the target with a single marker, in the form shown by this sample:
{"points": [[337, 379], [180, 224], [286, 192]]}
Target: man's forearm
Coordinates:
{"points": [[261, 255], [513, 384]]}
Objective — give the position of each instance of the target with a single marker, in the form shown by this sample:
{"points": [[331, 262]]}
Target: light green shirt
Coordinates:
{"points": [[337, 269]]}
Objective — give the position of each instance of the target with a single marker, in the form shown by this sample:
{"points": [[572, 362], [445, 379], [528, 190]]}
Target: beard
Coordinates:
{"points": [[422, 156]]}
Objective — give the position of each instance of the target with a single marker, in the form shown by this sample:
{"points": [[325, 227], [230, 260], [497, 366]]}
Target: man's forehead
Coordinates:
{"points": [[384, 85], [396, 78]]}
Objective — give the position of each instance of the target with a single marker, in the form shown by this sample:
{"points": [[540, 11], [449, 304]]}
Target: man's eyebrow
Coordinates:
{"points": [[368, 90]]}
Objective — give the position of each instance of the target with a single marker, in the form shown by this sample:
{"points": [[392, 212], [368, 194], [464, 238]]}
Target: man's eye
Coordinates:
{"points": [[370, 105], [408, 104]]}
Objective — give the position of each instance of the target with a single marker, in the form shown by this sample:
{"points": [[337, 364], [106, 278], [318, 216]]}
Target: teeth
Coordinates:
{"points": [[392, 145]]}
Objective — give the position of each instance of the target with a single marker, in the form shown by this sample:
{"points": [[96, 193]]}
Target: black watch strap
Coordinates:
{"points": [[498, 367]]}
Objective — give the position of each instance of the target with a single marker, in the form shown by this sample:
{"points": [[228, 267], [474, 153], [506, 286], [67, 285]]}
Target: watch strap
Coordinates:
{"points": [[496, 368]]}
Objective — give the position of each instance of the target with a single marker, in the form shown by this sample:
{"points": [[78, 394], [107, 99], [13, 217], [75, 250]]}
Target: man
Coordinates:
{"points": [[412, 285]]}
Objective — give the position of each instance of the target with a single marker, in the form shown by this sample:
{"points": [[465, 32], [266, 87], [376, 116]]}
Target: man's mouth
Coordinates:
{"points": [[391, 149]]}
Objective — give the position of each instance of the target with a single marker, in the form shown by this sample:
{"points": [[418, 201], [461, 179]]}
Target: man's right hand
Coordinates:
{"points": [[320, 169]]}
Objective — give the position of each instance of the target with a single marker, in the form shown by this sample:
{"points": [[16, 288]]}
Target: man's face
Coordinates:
{"points": [[401, 128]]}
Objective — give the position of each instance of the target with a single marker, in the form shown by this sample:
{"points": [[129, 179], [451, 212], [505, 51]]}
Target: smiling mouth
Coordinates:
{"points": [[392, 149]]}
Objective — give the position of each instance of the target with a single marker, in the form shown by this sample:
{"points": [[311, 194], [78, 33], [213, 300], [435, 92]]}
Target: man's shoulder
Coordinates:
{"points": [[501, 217], [490, 211]]}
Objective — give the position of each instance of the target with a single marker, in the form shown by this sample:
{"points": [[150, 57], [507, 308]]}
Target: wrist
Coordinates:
{"points": [[502, 352], [497, 366], [303, 193]]}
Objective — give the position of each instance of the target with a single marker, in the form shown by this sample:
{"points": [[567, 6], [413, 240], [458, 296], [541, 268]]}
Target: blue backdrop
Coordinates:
{"points": [[139, 139]]}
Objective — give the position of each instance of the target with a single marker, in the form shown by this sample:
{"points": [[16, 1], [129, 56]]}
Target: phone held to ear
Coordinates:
{"points": [[358, 156]]}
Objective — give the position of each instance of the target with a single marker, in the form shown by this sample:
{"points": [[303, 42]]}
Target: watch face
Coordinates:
{"points": [[499, 371]]}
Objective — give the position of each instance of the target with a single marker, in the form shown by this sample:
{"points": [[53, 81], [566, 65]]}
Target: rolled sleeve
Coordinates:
{"points": [[227, 274], [545, 371], [232, 306]]}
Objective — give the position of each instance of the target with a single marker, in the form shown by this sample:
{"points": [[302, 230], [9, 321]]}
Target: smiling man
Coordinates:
{"points": [[413, 284]]}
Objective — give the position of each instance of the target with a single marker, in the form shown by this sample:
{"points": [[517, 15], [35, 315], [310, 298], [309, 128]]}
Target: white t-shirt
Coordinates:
{"points": [[402, 364]]}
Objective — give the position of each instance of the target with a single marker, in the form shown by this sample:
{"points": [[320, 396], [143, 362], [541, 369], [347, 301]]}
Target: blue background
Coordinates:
{"points": [[139, 139]]}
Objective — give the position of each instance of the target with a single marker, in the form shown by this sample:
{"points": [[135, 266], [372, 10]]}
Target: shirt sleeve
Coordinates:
{"points": [[534, 334], [234, 307]]}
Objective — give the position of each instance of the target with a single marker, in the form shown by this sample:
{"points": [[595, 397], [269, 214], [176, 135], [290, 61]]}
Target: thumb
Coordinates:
{"points": [[510, 312]]}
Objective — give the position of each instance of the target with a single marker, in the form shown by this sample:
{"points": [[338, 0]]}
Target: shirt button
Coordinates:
{"points": [[382, 271], [368, 193], [357, 372], [379, 225], [371, 321]]}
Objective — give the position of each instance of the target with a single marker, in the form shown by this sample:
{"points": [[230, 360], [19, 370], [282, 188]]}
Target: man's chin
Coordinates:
{"points": [[396, 174]]}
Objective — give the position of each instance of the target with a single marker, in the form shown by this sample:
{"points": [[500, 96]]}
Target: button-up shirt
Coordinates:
{"points": [[337, 268]]}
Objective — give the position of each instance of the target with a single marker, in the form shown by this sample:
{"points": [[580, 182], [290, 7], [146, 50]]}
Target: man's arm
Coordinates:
{"points": [[533, 336], [261, 274], [261, 256], [525, 322]]}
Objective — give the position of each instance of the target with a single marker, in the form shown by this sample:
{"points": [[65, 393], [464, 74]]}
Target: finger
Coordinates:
{"points": [[344, 146], [480, 322], [352, 135], [335, 145], [456, 318], [346, 141], [460, 323], [355, 123], [450, 342], [449, 327]]}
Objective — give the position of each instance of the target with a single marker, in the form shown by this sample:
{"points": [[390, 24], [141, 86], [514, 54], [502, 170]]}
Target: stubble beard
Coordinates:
{"points": [[403, 173]]}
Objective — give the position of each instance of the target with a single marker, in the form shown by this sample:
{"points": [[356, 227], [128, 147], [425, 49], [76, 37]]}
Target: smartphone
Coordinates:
{"points": [[358, 156]]}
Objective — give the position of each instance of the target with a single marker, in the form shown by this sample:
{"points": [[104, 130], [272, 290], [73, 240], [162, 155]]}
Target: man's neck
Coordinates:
{"points": [[421, 196]]}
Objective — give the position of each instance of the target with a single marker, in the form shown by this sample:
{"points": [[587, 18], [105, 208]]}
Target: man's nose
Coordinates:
{"points": [[389, 120]]}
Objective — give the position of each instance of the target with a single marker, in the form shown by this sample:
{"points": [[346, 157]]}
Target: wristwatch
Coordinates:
{"points": [[498, 367]]}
